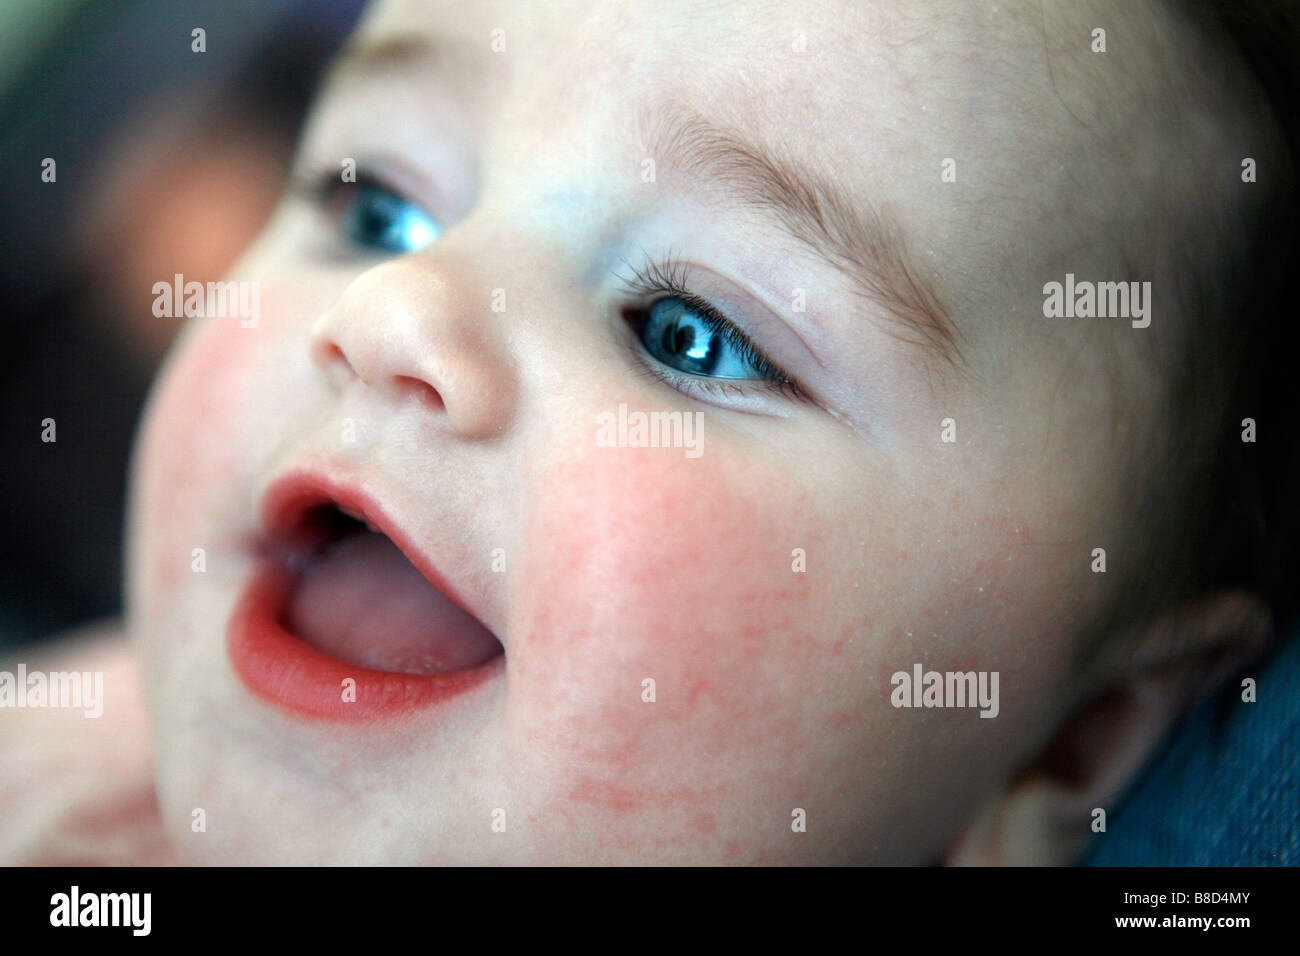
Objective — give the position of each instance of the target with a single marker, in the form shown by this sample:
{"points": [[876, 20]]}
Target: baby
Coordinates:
{"points": [[728, 432]]}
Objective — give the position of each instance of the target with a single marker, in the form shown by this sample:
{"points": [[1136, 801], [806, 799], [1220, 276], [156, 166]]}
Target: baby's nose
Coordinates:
{"points": [[410, 325]]}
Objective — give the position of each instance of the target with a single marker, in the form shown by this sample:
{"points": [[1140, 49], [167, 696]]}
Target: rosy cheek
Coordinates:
{"points": [[179, 452], [645, 566], [200, 443]]}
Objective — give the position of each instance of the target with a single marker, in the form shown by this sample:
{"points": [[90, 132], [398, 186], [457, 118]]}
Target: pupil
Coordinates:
{"points": [[679, 338], [377, 218]]}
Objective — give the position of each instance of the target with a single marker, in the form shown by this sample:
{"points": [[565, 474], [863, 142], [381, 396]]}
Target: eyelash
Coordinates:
{"points": [[321, 190], [654, 280], [323, 186], [325, 189], [663, 278]]}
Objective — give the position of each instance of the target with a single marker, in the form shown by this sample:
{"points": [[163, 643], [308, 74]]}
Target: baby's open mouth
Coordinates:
{"points": [[346, 618], [357, 596]]}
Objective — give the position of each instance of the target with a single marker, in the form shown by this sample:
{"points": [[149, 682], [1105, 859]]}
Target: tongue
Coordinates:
{"points": [[364, 602]]}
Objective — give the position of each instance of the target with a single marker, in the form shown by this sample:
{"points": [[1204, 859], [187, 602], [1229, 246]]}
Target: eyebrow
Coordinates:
{"points": [[366, 55], [854, 237]]}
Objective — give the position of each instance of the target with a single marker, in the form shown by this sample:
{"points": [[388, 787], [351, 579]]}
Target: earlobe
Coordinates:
{"points": [[1140, 687], [1047, 814]]}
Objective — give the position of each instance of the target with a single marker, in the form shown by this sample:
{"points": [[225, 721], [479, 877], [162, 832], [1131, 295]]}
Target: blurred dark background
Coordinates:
{"points": [[167, 160]]}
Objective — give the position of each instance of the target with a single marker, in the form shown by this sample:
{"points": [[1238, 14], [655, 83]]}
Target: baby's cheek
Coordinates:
{"points": [[666, 644], [187, 444], [203, 439]]}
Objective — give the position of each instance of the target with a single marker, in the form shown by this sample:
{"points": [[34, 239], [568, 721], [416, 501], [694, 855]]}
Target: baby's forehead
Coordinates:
{"points": [[861, 47], [882, 85]]}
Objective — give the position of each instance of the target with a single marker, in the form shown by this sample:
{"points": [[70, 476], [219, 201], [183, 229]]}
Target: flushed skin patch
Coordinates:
{"points": [[622, 565]]}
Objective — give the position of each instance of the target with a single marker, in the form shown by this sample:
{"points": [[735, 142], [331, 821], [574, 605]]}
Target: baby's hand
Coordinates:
{"points": [[78, 790]]}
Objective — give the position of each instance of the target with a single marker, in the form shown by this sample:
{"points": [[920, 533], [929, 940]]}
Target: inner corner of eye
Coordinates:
{"points": [[634, 316], [637, 309]]}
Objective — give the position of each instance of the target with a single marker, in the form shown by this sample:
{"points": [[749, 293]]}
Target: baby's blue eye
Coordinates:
{"points": [[687, 339], [375, 218]]}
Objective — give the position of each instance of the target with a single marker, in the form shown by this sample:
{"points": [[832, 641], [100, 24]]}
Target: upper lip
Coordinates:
{"points": [[285, 518]]}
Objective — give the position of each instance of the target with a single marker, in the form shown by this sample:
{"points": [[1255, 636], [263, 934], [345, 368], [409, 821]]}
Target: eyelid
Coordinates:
{"points": [[696, 385], [327, 192], [327, 188], [323, 183], [661, 278]]}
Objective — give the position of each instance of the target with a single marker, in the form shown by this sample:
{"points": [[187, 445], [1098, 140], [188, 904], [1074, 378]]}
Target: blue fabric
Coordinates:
{"points": [[1226, 789]]}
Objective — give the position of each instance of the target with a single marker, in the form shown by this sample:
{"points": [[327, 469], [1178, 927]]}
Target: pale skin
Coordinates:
{"points": [[622, 564]]}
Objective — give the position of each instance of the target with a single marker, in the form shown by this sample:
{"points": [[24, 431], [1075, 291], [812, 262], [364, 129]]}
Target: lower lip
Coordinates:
{"points": [[285, 670]]}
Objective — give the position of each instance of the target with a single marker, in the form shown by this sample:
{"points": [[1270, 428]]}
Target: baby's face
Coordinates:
{"points": [[547, 197]]}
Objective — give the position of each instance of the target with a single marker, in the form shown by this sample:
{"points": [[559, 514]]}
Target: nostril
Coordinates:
{"points": [[331, 360], [426, 393], [328, 352]]}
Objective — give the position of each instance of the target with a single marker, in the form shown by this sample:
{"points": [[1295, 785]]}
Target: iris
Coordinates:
{"points": [[687, 339], [375, 218]]}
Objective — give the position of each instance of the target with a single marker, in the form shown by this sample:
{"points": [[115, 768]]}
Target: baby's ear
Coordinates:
{"points": [[1140, 686]]}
